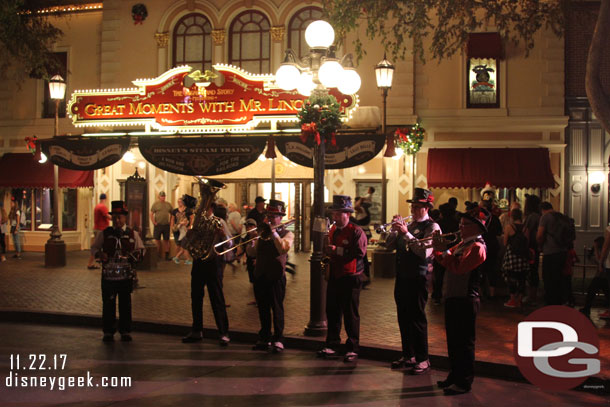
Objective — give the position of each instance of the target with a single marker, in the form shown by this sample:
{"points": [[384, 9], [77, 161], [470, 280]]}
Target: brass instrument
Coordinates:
{"points": [[325, 262], [200, 238], [387, 226], [445, 236], [218, 245]]}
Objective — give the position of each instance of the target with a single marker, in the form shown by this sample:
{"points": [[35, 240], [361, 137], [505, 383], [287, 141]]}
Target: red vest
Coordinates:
{"points": [[341, 265]]}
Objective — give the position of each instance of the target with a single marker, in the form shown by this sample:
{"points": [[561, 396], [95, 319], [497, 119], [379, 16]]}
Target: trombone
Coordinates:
{"points": [[218, 245], [445, 236]]}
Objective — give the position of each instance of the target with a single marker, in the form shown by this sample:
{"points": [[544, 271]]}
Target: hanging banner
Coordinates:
{"points": [[85, 154], [351, 150], [226, 98], [202, 156]]}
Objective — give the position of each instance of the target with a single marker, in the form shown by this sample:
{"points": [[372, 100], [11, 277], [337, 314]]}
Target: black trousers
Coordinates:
{"points": [[460, 326], [599, 283], [437, 283], [552, 276], [411, 296], [208, 273], [270, 299], [342, 301], [111, 289]]}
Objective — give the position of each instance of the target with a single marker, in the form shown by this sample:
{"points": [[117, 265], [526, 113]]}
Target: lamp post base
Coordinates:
{"points": [[55, 253], [317, 325]]}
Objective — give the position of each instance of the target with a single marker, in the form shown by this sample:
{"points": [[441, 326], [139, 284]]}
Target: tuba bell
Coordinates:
{"points": [[199, 239]]}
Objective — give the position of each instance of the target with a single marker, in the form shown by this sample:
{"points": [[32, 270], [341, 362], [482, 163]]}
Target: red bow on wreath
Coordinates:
{"points": [[310, 129], [30, 143]]}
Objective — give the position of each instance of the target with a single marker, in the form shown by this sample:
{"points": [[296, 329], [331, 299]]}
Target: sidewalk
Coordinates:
{"points": [[164, 299]]}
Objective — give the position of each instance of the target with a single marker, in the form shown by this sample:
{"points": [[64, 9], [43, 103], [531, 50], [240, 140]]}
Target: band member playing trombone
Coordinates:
{"points": [[270, 276], [463, 263], [346, 249], [413, 269]]}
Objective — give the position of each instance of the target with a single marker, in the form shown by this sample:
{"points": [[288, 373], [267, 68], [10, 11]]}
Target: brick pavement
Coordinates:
{"points": [[164, 297]]}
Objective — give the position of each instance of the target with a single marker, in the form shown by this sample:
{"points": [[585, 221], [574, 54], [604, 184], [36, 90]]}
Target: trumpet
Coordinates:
{"points": [[218, 245], [386, 226]]}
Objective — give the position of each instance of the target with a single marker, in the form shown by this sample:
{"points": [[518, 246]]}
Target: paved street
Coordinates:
{"points": [[164, 298], [164, 372]]}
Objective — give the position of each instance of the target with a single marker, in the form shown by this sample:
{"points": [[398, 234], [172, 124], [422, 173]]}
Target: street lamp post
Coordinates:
{"points": [[384, 72], [317, 72], [55, 248]]}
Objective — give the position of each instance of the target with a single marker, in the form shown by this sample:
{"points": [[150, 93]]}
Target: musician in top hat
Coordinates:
{"points": [[346, 249], [119, 248], [413, 270], [270, 276], [463, 264], [209, 271]]}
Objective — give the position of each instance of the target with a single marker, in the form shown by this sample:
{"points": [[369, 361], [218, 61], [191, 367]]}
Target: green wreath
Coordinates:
{"points": [[320, 117], [410, 139]]}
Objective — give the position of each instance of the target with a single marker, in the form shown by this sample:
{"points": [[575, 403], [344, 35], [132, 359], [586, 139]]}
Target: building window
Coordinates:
{"points": [[483, 82], [39, 216], [69, 214], [362, 190], [484, 50], [296, 29], [249, 42], [192, 42], [57, 67]]}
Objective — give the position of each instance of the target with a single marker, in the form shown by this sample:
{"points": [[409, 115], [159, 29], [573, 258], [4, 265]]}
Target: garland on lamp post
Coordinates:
{"points": [[410, 139], [319, 118]]}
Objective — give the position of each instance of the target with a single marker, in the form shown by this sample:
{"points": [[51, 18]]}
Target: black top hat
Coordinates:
{"points": [[477, 214], [275, 207], [118, 208], [189, 201], [422, 195], [259, 199], [342, 203]]}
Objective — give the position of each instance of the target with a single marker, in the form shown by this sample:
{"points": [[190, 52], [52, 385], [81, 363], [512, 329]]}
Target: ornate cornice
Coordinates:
{"points": [[277, 33], [219, 36], [162, 39]]}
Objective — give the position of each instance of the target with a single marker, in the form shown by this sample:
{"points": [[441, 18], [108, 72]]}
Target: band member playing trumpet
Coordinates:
{"points": [[413, 269], [462, 286], [270, 276], [346, 249]]}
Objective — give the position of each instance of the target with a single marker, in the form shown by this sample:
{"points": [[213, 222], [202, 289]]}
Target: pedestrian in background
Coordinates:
{"points": [[554, 255], [160, 214], [3, 231], [532, 214], [14, 219], [179, 224], [101, 220]]}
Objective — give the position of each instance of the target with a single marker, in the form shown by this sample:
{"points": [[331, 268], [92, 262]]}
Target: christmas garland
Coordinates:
{"points": [[319, 117], [410, 139]]}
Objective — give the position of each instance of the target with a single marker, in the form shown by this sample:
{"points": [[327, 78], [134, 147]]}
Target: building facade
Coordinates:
{"points": [[489, 98]]}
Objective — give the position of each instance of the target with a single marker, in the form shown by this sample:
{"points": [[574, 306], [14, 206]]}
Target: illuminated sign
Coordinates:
{"points": [[185, 101]]}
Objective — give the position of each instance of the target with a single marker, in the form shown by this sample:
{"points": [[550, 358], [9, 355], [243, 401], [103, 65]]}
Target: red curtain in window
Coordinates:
{"points": [[485, 45]]}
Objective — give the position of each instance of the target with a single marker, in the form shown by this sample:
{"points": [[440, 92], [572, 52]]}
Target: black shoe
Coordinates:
{"points": [[193, 337], [278, 347], [350, 357], [224, 340], [421, 367], [108, 338], [126, 338], [326, 352], [403, 362], [260, 345], [443, 384], [454, 389]]}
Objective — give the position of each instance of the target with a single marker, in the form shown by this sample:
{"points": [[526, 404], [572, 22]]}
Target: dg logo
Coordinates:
{"points": [[557, 348]]}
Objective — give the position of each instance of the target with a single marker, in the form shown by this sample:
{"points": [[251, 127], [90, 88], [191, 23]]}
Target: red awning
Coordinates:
{"points": [[23, 171], [500, 167], [485, 45]]}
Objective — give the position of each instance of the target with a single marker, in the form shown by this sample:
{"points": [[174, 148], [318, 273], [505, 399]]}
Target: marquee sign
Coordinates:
{"points": [[180, 100]]}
